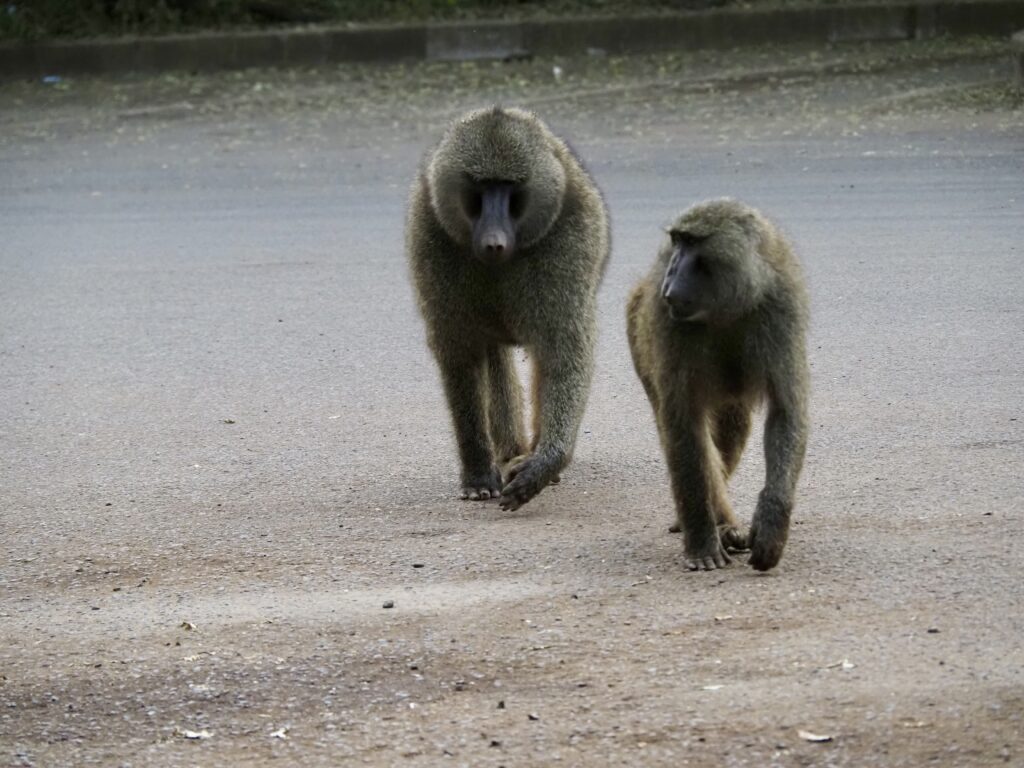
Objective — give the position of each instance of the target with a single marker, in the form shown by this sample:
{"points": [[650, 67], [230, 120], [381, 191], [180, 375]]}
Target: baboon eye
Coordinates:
{"points": [[474, 204], [516, 204], [687, 239]]}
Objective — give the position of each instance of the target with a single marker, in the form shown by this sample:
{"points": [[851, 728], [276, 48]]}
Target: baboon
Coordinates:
{"points": [[717, 326], [508, 240]]}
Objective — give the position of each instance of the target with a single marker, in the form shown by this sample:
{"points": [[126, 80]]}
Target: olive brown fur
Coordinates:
{"points": [[507, 238], [717, 326]]}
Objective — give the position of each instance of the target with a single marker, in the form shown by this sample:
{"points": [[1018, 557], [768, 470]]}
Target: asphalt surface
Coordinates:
{"points": [[225, 447]]}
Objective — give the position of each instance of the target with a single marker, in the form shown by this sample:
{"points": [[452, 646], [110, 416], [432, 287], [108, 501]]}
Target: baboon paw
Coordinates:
{"points": [[526, 478], [768, 533], [707, 558], [508, 458], [766, 547], [510, 466], [765, 554], [477, 493], [482, 487], [733, 539]]}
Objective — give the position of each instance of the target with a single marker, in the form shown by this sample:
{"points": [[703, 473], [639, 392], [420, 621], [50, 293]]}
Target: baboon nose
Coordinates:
{"points": [[495, 244], [671, 297], [680, 305]]}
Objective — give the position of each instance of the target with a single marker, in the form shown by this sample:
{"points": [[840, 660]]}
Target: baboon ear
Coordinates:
{"points": [[750, 222]]}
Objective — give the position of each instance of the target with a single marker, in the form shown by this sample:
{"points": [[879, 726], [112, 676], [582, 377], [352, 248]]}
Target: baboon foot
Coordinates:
{"points": [[509, 457], [527, 478], [732, 538], [483, 486], [707, 556]]}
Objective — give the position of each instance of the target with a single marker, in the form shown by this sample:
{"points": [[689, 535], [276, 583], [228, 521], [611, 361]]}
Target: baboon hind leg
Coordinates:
{"points": [[505, 405], [698, 485], [464, 374], [730, 430], [639, 349]]}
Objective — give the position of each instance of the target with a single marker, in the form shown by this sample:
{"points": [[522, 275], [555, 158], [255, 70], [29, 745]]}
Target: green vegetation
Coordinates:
{"points": [[34, 19], [30, 19]]}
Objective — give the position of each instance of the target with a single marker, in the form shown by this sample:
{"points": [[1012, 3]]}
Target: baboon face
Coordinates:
{"points": [[688, 287], [493, 209], [496, 184], [714, 274]]}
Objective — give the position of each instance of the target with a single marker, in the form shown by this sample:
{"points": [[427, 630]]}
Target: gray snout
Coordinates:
{"points": [[494, 244]]}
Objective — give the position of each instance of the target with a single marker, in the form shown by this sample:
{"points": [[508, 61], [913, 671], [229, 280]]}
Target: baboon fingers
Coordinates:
{"points": [[513, 497], [769, 531], [510, 504], [765, 555], [526, 479], [765, 549], [513, 500]]}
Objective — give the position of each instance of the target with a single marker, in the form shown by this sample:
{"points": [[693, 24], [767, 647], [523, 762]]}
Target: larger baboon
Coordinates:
{"points": [[716, 326], [508, 239]]}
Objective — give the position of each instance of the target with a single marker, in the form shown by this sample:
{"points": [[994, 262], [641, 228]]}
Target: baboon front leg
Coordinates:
{"points": [[785, 440], [464, 377], [697, 484], [731, 429], [560, 384], [505, 405]]}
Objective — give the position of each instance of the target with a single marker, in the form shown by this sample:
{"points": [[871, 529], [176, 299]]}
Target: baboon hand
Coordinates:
{"points": [[482, 486], [508, 472], [527, 478], [768, 533], [707, 555]]}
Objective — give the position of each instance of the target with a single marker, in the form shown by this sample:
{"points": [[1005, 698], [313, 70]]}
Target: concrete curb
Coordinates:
{"points": [[1017, 46], [720, 28]]}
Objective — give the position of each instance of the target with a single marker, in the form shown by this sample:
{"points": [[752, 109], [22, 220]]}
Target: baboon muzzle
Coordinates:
{"points": [[681, 287], [494, 234], [680, 307]]}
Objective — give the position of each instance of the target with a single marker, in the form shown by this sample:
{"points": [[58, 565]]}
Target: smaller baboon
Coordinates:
{"points": [[717, 326], [507, 237]]}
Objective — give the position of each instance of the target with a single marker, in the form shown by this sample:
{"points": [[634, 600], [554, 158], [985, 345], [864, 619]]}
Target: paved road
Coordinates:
{"points": [[225, 447]]}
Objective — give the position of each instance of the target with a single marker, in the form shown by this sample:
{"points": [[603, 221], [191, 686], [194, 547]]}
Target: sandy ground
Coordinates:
{"points": [[225, 447]]}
